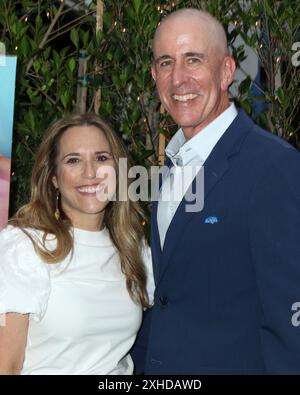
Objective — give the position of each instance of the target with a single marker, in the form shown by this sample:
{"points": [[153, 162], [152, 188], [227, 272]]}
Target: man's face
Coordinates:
{"points": [[191, 76]]}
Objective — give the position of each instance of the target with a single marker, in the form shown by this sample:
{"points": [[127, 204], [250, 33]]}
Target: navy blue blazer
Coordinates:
{"points": [[226, 288]]}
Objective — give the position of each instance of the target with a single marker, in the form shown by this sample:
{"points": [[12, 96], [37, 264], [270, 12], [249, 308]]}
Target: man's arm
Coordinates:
{"points": [[274, 221]]}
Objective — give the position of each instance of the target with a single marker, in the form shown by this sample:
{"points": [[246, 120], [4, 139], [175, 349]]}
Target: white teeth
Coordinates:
{"points": [[189, 96], [90, 189]]}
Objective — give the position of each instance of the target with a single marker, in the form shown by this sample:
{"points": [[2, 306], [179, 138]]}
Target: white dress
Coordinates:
{"points": [[82, 319]]}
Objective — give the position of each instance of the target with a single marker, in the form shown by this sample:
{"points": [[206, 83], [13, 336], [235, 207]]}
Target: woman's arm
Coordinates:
{"points": [[13, 339]]}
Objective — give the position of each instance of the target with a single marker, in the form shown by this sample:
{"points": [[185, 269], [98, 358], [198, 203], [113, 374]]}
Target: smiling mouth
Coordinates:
{"points": [[184, 98], [91, 189]]}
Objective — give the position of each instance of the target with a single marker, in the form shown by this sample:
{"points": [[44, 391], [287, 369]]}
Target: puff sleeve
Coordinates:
{"points": [[24, 277]]}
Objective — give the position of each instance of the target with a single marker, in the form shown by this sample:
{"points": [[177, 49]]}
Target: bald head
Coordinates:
{"points": [[208, 27]]}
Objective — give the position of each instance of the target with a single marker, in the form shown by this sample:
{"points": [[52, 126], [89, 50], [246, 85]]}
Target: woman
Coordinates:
{"points": [[72, 276]]}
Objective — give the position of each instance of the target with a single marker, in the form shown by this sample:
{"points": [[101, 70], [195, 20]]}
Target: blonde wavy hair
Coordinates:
{"points": [[123, 219]]}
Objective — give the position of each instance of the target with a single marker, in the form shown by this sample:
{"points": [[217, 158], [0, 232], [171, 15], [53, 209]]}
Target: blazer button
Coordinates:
{"points": [[163, 300]]}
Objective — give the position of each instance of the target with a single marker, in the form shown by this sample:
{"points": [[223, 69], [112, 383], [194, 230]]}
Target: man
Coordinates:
{"points": [[227, 276]]}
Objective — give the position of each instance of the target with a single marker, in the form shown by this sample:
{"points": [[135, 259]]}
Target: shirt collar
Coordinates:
{"points": [[182, 152]]}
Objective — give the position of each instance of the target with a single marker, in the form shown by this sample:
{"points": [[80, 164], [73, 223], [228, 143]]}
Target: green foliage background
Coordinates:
{"points": [[119, 61]]}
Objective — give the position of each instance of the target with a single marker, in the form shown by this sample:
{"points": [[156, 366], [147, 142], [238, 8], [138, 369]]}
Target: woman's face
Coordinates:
{"points": [[85, 175]]}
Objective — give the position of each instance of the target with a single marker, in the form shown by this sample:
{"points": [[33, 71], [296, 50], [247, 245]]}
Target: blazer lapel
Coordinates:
{"points": [[155, 238], [215, 167], [155, 242]]}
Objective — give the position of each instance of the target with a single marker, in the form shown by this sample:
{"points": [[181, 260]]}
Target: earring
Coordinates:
{"points": [[57, 212]]}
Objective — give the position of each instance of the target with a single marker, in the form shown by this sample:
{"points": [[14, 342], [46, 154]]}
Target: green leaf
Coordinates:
{"points": [[74, 37], [123, 78], [85, 38], [109, 56], [137, 5], [115, 80], [107, 19], [33, 44], [263, 120], [57, 59], [46, 53], [135, 115], [133, 15], [13, 28], [45, 68], [268, 8], [245, 85], [246, 106], [23, 30], [38, 22], [108, 107], [64, 98], [71, 64], [36, 65], [24, 46], [31, 93], [29, 120], [281, 95], [50, 83]]}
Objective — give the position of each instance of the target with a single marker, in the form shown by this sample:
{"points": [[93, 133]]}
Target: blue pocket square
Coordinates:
{"points": [[211, 220]]}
